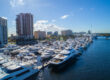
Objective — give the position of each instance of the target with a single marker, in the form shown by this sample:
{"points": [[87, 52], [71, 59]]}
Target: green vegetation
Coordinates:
{"points": [[11, 41], [105, 34], [50, 38], [60, 37]]}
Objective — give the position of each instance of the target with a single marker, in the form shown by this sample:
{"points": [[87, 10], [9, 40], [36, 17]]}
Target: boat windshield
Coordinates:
{"points": [[57, 60]]}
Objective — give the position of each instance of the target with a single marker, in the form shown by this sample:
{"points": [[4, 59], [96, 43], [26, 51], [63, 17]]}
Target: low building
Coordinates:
{"points": [[55, 33], [66, 32], [3, 32], [39, 34], [13, 37], [82, 32], [49, 33]]}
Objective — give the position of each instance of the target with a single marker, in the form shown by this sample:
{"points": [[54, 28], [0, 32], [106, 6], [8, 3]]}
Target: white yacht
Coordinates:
{"points": [[21, 74], [1, 58], [13, 68], [33, 49], [62, 58], [46, 55], [2, 62], [8, 64]]}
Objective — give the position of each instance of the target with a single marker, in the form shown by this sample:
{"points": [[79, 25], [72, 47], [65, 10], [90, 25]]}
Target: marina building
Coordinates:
{"points": [[39, 34], [24, 25], [66, 32], [3, 31]]}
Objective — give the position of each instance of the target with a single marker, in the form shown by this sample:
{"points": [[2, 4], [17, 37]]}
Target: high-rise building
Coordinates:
{"points": [[3, 31], [67, 32], [24, 25], [39, 34]]}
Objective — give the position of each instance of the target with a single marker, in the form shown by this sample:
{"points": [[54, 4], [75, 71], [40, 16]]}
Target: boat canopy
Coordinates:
{"points": [[65, 52]]}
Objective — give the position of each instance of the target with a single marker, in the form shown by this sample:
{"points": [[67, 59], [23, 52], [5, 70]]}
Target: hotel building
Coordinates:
{"points": [[3, 31], [67, 32], [39, 34], [24, 26]]}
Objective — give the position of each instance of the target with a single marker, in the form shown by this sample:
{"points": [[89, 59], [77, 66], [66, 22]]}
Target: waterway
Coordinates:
{"points": [[93, 64]]}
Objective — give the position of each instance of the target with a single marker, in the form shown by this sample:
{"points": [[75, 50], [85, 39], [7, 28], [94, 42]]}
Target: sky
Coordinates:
{"points": [[57, 15]]}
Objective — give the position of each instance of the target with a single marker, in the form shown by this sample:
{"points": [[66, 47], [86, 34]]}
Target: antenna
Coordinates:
{"points": [[91, 28]]}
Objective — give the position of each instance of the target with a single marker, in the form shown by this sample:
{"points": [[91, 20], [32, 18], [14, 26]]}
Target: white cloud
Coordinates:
{"points": [[4, 17], [15, 3], [64, 17], [43, 25], [42, 21]]}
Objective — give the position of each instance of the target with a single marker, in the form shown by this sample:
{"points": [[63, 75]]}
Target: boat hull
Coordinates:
{"points": [[11, 71], [63, 64]]}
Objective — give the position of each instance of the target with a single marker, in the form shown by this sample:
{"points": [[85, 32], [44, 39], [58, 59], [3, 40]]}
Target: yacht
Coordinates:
{"points": [[63, 58], [22, 74], [2, 62], [3, 50], [1, 58], [33, 49], [7, 64], [13, 68], [2, 74], [47, 54]]}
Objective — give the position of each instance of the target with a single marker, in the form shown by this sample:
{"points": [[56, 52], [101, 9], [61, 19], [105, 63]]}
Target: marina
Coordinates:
{"points": [[93, 64], [54, 40], [21, 62]]}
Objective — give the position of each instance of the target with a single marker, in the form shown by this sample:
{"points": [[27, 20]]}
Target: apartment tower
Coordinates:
{"points": [[3, 31], [24, 26]]}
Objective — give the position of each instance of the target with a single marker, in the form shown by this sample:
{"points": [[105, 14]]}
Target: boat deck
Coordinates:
{"points": [[2, 74], [28, 74]]}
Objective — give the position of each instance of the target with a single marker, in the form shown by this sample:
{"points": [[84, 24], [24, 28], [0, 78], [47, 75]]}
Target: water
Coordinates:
{"points": [[94, 64]]}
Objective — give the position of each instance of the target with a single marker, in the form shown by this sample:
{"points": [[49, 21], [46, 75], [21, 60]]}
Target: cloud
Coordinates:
{"points": [[64, 17], [15, 3], [43, 25], [4, 17], [42, 21], [81, 9]]}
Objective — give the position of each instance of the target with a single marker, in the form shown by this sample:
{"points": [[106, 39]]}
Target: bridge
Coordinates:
{"points": [[105, 35]]}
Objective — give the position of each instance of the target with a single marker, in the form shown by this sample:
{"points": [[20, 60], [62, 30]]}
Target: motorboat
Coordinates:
{"points": [[46, 55], [8, 64], [13, 68], [22, 74], [2, 62], [62, 58]]}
